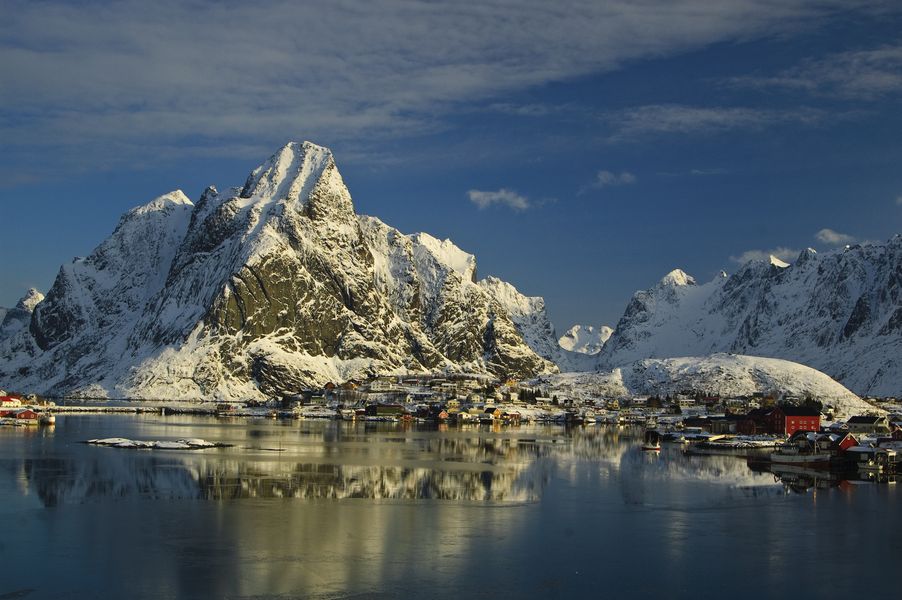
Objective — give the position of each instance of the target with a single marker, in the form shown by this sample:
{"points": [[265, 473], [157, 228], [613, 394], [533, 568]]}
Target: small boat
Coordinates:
{"points": [[47, 419], [652, 441]]}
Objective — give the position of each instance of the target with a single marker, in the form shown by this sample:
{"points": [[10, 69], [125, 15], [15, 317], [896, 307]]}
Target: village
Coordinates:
{"points": [[780, 429]]}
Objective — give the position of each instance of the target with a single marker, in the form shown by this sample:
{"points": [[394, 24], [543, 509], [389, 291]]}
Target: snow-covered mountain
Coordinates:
{"points": [[585, 339], [17, 318], [722, 374], [839, 312], [261, 290]]}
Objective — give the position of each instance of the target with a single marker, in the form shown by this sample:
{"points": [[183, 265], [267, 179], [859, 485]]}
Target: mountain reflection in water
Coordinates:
{"points": [[345, 461], [337, 510]]}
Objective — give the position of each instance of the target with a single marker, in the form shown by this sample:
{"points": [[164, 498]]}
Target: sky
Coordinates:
{"points": [[580, 149]]}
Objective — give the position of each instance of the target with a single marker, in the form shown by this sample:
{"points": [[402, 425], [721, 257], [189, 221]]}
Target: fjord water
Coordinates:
{"points": [[332, 510]]}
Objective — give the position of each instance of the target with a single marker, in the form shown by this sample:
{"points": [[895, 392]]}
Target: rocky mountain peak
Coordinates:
{"points": [[676, 278], [448, 254], [18, 318], [776, 262], [262, 291], [31, 299], [303, 176], [806, 255]]}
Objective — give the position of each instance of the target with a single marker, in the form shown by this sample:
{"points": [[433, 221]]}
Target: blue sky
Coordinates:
{"points": [[580, 149]]}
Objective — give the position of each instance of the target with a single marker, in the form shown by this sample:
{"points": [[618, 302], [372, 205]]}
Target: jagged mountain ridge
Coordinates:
{"points": [[257, 291], [839, 312]]}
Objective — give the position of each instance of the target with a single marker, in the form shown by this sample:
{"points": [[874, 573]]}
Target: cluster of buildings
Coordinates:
{"points": [[472, 398], [20, 410]]}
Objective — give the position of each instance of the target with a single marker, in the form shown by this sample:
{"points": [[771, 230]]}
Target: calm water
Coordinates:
{"points": [[335, 510]]}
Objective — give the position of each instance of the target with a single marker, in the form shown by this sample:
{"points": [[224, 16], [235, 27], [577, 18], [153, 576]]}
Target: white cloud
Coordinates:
{"points": [[857, 74], [107, 82], [834, 238], [502, 197], [785, 254]]}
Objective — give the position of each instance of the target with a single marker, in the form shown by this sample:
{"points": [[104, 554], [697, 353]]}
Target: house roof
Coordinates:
{"points": [[864, 420], [799, 411]]}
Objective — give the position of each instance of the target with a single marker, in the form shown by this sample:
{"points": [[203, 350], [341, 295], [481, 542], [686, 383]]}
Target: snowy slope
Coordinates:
{"points": [[722, 374], [839, 312], [17, 318], [585, 339], [257, 291]]}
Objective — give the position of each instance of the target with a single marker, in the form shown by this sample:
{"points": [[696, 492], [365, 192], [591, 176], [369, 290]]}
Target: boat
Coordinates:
{"points": [[652, 441], [47, 419], [793, 455]]}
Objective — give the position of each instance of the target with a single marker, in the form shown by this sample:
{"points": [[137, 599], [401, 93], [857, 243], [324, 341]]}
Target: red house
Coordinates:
{"points": [[786, 420], [756, 422], [26, 414]]}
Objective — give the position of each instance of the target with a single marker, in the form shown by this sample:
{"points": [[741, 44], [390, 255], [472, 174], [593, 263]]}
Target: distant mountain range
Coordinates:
{"points": [[279, 285], [839, 312]]}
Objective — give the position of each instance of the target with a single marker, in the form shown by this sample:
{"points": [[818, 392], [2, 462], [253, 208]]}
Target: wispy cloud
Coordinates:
{"points": [[694, 173], [859, 75], [104, 81], [781, 252], [899, 200], [605, 179], [502, 197], [834, 238], [657, 119]]}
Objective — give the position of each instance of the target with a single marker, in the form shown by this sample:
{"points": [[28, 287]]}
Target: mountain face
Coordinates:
{"points": [[258, 291], [14, 319], [585, 339], [529, 315], [839, 312]]}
